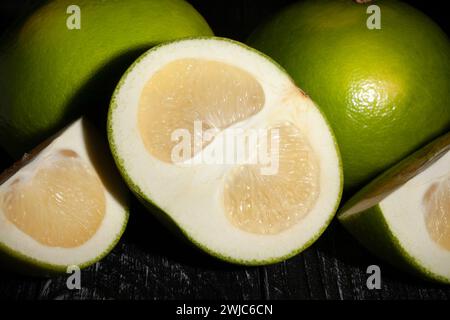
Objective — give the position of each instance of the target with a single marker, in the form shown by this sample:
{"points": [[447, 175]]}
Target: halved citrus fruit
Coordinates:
{"points": [[62, 205], [403, 216], [219, 138]]}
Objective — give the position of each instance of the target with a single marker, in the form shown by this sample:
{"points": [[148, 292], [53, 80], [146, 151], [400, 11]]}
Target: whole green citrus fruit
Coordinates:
{"points": [[385, 91], [64, 58]]}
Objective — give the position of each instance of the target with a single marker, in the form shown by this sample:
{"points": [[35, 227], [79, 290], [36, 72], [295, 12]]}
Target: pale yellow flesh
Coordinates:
{"points": [[437, 212], [188, 90], [220, 95], [61, 205], [269, 204]]}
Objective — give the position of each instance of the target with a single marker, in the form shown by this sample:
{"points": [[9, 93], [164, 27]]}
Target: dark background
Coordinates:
{"points": [[150, 263]]}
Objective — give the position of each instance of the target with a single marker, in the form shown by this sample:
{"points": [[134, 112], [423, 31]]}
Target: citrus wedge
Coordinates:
{"points": [[62, 205], [403, 216]]}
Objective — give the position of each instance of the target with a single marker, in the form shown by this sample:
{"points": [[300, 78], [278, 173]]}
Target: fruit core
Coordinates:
{"points": [[220, 95], [60, 204], [437, 212]]}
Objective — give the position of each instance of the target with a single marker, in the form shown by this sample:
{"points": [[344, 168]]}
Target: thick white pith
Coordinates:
{"points": [[80, 139], [193, 196], [406, 212]]}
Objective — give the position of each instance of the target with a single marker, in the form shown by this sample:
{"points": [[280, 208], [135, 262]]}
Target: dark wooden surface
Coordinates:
{"points": [[150, 263]]}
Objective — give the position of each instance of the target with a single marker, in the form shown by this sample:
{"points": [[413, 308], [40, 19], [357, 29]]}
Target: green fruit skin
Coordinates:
{"points": [[371, 228], [49, 74], [385, 92]]}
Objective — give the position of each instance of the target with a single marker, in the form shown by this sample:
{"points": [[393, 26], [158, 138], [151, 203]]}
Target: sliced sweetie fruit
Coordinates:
{"points": [[403, 216], [62, 205], [218, 141]]}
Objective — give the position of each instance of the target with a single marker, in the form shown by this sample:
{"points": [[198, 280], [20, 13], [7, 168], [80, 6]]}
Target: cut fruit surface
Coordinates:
{"points": [[437, 212], [64, 205], [218, 137], [270, 204], [404, 215], [189, 90]]}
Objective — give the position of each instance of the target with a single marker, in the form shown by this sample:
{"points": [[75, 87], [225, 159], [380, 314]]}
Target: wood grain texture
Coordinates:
{"points": [[150, 263]]}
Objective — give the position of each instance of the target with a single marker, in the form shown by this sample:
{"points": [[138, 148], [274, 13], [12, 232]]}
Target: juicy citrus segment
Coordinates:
{"points": [[61, 205], [437, 212], [188, 90], [270, 204]]}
